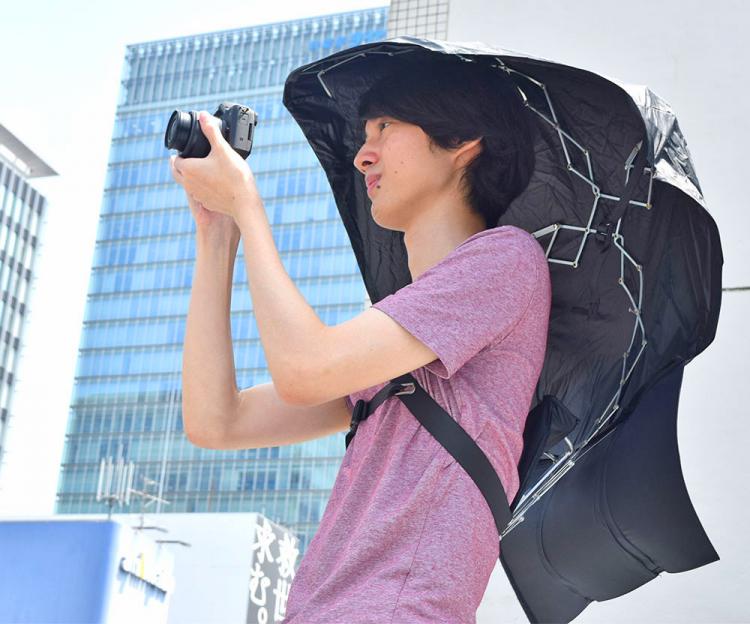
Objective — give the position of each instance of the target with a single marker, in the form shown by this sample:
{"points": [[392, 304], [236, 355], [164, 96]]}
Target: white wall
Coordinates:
{"points": [[691, 54]]}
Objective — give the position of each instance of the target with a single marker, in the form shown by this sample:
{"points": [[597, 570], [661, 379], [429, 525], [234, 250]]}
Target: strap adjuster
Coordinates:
{"points": [[410, 388], [361, 408]]}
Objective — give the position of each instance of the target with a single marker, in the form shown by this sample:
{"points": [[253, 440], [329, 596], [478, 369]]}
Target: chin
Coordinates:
{"points": [[377, 216], [385, 218]]}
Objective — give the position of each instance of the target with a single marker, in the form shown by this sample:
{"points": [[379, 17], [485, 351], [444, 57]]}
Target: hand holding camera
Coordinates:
{"points": [[211, 164]]}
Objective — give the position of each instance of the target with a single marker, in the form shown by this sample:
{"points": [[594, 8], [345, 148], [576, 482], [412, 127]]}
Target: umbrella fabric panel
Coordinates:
{"points": [[621, 516]]}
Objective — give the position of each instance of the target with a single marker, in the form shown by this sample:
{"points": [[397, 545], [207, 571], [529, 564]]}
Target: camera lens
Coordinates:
{"points": [[178, 131], [185, 135]]}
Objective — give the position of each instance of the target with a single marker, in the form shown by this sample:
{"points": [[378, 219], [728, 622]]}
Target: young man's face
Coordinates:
{"points": [[408, 175]]}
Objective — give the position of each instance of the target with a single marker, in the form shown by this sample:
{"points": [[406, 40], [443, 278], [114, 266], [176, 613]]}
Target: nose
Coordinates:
{"points": [[365, 157]]}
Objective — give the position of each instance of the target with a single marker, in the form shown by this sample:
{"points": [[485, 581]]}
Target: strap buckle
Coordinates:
{"points": [[411, 389], [360, 408]]}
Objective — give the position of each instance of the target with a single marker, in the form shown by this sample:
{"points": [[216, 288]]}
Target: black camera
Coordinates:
{"points": [[237, 126]]}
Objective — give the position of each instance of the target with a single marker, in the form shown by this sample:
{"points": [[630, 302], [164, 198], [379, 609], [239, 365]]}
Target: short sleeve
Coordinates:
{"points": [[472, 298]]}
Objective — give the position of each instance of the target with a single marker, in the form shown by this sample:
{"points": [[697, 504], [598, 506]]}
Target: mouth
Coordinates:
{"points": [[373, 183]]}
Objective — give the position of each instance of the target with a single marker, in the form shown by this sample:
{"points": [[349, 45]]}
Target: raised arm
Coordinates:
{"points": [[209, 385]]}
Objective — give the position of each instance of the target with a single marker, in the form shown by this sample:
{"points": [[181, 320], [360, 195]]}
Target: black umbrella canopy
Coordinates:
{"points": [[635, 261]]}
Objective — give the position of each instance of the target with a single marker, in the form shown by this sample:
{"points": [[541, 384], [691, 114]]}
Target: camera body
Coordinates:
{"points": [[237, 126]]}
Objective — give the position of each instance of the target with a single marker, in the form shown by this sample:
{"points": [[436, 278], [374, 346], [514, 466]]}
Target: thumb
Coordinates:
{"points": [[211, 127]]}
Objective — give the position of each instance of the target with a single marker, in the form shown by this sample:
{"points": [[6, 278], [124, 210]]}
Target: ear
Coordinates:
{"points": [[467, 152]]}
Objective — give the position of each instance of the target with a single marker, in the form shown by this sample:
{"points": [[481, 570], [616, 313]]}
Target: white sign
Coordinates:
{"points": [[273, 557]]}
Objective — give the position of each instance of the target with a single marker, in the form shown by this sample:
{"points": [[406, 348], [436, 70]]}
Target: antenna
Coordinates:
{"points": [[172, 409], [116, 486], [148, 499], [115, 482]]}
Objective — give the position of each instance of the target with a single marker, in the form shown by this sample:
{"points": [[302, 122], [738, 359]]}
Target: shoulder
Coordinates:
{"points": [[508, 240], [501, 235]]}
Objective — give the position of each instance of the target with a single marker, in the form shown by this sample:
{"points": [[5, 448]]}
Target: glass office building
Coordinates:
{"points": [[419, 18], [126, 401], [22, 214]]}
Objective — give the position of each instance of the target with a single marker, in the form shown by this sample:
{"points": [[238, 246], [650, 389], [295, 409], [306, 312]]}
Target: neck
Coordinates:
{"points": [[428, 242]]}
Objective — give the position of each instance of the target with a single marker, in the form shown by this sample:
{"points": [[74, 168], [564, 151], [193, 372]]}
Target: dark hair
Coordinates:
{"points": [[453, 101]]}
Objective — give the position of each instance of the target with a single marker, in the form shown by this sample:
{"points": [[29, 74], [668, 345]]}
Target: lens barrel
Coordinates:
{"points": [[184, 134], [178, 131]]}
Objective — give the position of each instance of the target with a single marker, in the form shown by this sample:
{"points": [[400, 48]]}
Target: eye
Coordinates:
{"points": [[380, 126]]}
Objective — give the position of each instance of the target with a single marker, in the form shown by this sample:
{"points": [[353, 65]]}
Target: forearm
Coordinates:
{"points": [[288, 326], [209, 384]]}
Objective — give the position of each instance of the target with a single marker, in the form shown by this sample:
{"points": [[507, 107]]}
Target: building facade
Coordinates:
{"points": [[127, 400], [22, 211], [419, 18]]}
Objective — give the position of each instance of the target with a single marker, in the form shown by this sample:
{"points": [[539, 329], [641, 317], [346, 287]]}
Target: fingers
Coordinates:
{"points": [[181, 167], [211, 127], [176, 173], [178, 176]]}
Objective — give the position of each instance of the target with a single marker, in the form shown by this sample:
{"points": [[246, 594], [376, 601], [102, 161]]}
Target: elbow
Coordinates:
{"points": [[300, 374], [290, 395], [291, 386], [200, 433], [194, 439], [201, 440], [211, 442]]}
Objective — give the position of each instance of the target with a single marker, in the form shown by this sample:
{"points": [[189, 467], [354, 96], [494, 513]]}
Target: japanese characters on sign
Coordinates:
{"points": [[274, 553]]}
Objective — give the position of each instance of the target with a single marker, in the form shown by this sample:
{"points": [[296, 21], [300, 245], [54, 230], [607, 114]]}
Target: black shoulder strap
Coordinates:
{"points": [[460, 445]]}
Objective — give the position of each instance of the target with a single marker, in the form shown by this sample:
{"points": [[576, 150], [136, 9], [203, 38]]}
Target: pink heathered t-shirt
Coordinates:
{"points": [[407, 537]]}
